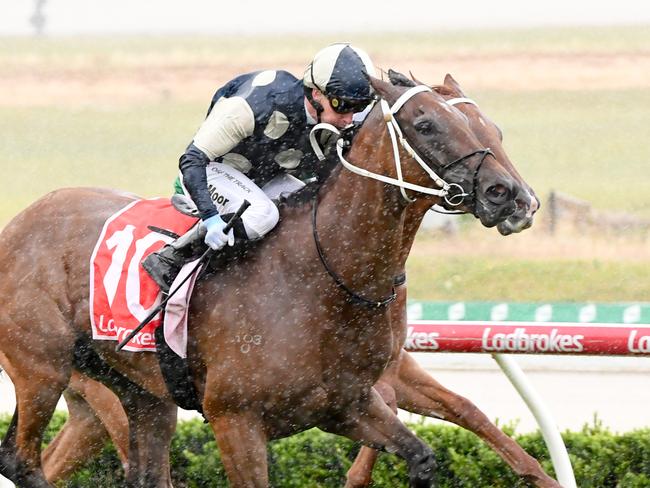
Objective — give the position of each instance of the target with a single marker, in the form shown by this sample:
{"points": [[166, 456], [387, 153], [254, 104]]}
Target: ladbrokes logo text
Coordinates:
{"points": [[522, 341]]}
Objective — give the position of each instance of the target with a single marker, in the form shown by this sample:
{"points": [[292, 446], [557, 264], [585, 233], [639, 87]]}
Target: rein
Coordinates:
{"points": [[354, 297]]}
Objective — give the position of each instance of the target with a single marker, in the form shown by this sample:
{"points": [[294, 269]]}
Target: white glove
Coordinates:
{"points": [[215, 237]]}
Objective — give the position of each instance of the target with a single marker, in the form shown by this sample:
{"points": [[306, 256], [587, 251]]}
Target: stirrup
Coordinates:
{"points": [[164, 265]]}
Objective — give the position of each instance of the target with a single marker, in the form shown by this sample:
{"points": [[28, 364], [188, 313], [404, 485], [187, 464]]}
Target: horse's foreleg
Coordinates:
{"points": [[242, 443], [152, 422], [108, 409], [94, 413], [419, 393], [360, 473], [377, 426], [82, 437]]}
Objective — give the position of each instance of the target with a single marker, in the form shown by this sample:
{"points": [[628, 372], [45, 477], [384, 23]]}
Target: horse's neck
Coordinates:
{"points": [[414, 213], [360, 227], [374, 213], [412, 219]]}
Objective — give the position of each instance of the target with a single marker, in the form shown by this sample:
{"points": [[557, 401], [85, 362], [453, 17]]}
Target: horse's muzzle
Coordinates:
{"points": [[522, 218]]}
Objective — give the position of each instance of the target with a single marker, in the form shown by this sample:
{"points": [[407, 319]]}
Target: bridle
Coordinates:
{"points": [[451, 200], [446, 190], [453, 193]]}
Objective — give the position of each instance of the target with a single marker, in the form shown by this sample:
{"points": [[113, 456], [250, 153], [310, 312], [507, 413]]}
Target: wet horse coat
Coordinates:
{"points": [[317, 360], [404, 383]]}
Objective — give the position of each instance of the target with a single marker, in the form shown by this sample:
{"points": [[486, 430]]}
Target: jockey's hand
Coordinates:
{"points": [[215, 237]]}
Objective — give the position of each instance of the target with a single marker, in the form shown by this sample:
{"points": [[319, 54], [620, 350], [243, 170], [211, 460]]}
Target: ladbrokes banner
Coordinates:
{"points": [[528, 337]]}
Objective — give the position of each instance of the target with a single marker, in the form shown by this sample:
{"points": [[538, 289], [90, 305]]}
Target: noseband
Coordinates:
{"points": [[456, 199]]}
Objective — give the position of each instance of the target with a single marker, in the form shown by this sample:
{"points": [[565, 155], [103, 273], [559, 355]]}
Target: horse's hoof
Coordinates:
{"points": [[7, 464], [422, 472]]}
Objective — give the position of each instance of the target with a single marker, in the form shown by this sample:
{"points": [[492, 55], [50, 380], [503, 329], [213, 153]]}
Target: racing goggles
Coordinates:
{"points": [[346, 105]]}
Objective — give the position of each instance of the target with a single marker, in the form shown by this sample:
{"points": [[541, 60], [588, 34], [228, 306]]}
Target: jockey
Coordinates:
{"points": [[257, 127]]}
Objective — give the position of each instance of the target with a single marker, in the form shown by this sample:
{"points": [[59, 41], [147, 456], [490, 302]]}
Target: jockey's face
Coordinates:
{"points": [[329, 115]]}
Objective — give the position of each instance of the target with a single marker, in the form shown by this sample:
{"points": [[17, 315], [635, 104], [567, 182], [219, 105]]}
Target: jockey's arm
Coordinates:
{"points": [[229, 122]]}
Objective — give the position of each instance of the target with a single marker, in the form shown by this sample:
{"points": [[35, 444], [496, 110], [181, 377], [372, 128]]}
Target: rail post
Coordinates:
{"points": [[544, 418]]}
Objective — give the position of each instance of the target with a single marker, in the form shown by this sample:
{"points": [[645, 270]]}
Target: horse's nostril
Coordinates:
{"points": [[498, 193]]}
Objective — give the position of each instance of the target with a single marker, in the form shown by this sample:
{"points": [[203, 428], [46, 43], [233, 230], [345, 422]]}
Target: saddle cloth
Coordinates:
{"points": [[122, 294]]}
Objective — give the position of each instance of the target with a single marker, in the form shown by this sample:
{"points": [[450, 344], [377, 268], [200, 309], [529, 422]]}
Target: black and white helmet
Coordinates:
{"points": [[340, 72]]}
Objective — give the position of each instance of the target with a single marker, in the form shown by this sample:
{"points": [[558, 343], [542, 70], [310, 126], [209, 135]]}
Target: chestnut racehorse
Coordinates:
{"points": [[95, 413], [405, 384], [320, 309]]}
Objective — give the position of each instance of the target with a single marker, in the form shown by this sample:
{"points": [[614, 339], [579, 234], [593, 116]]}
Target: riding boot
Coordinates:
{"points": [[163, 266]]}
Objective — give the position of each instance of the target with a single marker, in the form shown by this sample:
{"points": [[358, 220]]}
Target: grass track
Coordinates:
{"points": [[520, 280]]}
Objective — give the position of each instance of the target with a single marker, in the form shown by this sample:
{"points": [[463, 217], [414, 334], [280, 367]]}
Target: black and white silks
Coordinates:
{"points": [[257, 124]]}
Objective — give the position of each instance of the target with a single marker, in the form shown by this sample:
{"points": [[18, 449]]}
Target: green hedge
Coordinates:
{"points": [[315, 459]]}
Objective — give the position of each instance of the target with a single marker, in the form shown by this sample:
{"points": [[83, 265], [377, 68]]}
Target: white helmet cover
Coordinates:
{"points": [[341, 70]]}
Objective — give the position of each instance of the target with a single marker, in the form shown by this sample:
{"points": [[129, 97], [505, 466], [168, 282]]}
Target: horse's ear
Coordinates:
{"points": [[397, 78], [453, 84], [385, 90], [416, 80]]}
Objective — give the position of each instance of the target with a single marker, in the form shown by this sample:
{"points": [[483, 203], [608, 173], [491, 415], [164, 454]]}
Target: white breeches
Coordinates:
{"points": [[229, 187]]}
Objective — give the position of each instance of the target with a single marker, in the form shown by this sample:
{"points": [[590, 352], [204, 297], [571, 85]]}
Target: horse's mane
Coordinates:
{"points": [[398, 79]]}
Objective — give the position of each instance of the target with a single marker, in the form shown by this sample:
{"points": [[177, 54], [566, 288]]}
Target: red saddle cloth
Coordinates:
{"points": [[122, 294]]}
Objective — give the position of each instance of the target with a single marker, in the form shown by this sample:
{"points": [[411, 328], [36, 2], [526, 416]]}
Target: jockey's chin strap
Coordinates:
{"points": [[454, 198]]}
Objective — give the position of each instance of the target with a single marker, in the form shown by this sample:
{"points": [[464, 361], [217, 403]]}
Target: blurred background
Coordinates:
{"points": [[97, 93]]}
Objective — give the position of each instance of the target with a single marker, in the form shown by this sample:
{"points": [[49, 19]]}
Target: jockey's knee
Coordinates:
{"points": [[260, 218]]}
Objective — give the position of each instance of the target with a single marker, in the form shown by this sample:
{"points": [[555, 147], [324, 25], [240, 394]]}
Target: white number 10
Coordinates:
{"points": [[121, 241]]}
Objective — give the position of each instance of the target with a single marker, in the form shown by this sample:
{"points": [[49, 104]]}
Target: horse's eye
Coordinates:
{"points": [[425, 127]]}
